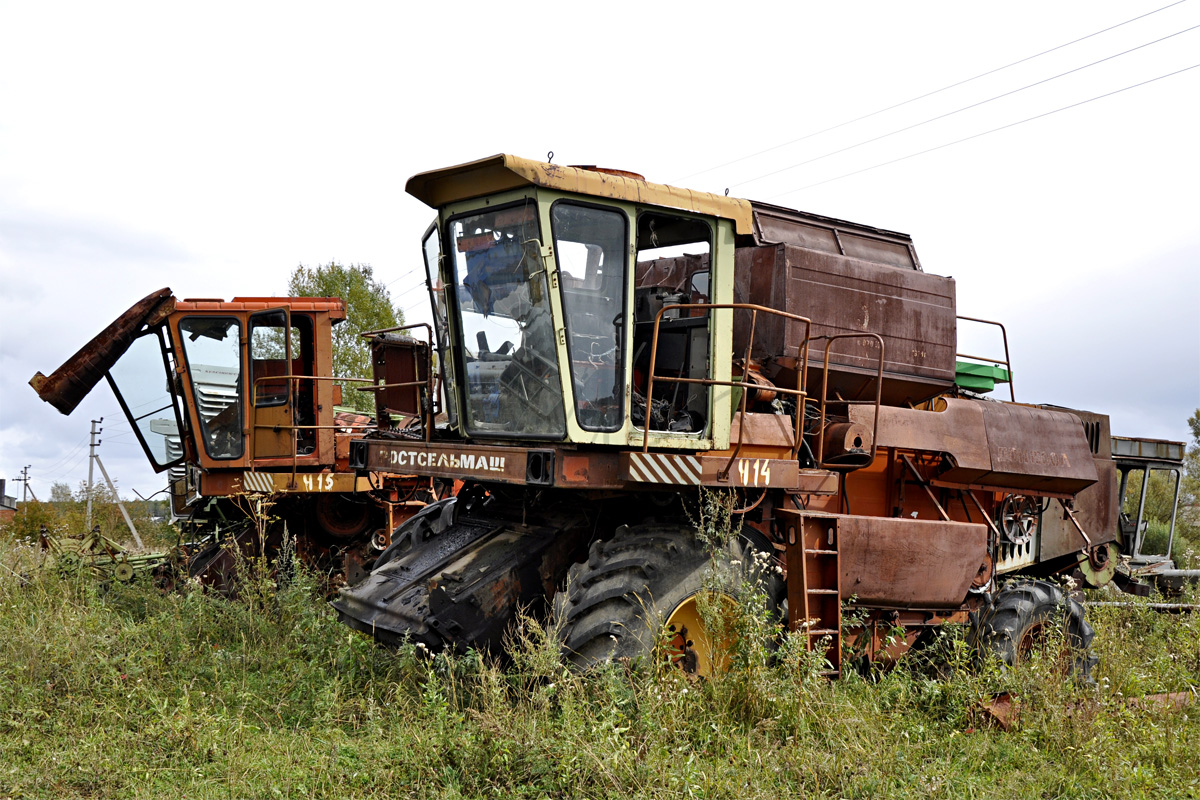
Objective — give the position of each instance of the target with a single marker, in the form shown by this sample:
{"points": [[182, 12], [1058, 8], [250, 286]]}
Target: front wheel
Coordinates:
{"points": [[650, 577], [1023, 613]]}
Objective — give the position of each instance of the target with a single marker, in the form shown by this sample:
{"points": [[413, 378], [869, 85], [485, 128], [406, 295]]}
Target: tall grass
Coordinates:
{"points": [[120, 691]]}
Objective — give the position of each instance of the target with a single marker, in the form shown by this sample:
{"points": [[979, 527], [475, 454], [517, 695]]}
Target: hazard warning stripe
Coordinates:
{"points": [[258, 482], [664, 468]]}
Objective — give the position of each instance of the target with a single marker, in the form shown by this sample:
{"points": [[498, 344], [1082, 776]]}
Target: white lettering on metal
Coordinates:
{"points": [[754, 472], [453, 461]]}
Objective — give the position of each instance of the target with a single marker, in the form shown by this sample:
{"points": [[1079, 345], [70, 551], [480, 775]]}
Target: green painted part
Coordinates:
{"points": [[979, 377]]}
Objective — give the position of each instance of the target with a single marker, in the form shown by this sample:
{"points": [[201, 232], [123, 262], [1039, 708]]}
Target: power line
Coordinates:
{"points": [[411, 270], [928, 94], [63, 460], [964, 108], [984, 133], [410, 290]]}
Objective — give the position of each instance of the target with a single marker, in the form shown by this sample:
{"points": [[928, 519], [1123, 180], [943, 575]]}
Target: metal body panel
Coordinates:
{"points": [[66, 387], [232, 482], [913, 311], [1033, 448], [441, 187], [780, 225], [909, 563], [586, 469], [1096, 508], [995, 445]]}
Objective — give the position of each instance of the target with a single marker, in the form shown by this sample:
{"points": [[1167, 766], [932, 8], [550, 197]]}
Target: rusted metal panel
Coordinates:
{"points": [[914, 313], [66, 387], [763, 430], [232, 482], [909, 563], [401, 365], [779, 225], [500, 173], [331, 305], [676, 469], [957, 430], [995, 445], [478, 462], [1095, 509], [1034, 448]]}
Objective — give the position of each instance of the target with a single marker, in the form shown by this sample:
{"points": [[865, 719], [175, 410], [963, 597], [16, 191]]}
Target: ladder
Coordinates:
{"points": [[814, 582]]}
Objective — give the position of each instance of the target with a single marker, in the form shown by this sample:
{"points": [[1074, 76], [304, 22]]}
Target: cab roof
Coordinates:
{"points": [[502, 172]]}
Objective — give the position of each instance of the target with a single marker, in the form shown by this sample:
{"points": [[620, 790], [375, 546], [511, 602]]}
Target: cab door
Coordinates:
{"points": [[272, 387]]}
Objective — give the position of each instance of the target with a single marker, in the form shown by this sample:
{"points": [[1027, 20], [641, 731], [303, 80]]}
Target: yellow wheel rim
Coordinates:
{"points": [[689, 643]]}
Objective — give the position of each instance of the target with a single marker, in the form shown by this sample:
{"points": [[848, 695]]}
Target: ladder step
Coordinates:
{"points": [[820, 552], [830, 673], [822, 632], [822, 591]]}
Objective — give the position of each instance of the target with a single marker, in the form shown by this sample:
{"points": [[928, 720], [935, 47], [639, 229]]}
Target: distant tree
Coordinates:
{"points": [[60, 492], [31, 516], [368, 307], [1189, 497]]}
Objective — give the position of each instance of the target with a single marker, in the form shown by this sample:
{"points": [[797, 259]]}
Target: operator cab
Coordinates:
{"points": [[224, 386], [546, 292]]}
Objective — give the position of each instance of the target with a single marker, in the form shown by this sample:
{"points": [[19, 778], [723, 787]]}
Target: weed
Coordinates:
{"points": [[133, 693]]}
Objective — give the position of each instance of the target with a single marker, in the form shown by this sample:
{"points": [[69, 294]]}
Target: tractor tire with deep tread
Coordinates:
{"points": [[1009, 627], [615, 602]]}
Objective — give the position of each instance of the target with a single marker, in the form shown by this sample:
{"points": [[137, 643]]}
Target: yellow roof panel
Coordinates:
{"points": [[503, 172]]}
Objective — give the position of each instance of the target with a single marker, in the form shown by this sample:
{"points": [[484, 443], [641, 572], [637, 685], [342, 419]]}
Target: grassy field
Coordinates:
{"points": [[121, 691]]}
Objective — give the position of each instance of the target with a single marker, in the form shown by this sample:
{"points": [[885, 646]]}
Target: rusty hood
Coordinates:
{"points": [[66, 387]]}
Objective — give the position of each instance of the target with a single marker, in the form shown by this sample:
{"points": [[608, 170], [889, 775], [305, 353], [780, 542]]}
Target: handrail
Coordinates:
{"points": [[293, 390], [829, 340], [1006, 362], [432, 393], [799, 392]]}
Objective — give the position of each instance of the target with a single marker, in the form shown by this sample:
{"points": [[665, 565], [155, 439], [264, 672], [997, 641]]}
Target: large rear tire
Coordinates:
{"points": [[1022, 613], [615, 603]]}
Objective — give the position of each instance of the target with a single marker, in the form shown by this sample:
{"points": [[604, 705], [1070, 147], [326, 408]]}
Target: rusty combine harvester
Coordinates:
{"points": [[235, 400], [611, 348]]}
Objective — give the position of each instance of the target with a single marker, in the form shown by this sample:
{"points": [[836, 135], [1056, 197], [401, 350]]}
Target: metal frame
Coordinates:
{"points": [[799, 392], [1006, 362]]}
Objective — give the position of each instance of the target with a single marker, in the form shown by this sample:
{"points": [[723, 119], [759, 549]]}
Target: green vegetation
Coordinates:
{"points": [[1160, 497], [368, 308], [66, 515], [121, 691]]}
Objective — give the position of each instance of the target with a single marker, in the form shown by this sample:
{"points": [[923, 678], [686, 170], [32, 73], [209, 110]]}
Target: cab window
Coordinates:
{"points": [[673, 261], [212, 348], [590, 245]]}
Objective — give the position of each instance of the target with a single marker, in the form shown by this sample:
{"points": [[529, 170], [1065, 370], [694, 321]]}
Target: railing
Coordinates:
{"points": [[1007, 366], [429, 409], [294, 429], [800, 392], [825, 401], [432, 405]]}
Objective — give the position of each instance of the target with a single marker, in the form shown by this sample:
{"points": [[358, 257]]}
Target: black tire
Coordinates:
{"points": [[1010, 626], [429, 521], [615, 603]]}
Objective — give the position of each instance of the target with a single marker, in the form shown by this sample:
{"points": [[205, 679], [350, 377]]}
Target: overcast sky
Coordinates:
{"points": [[213, 147]]}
